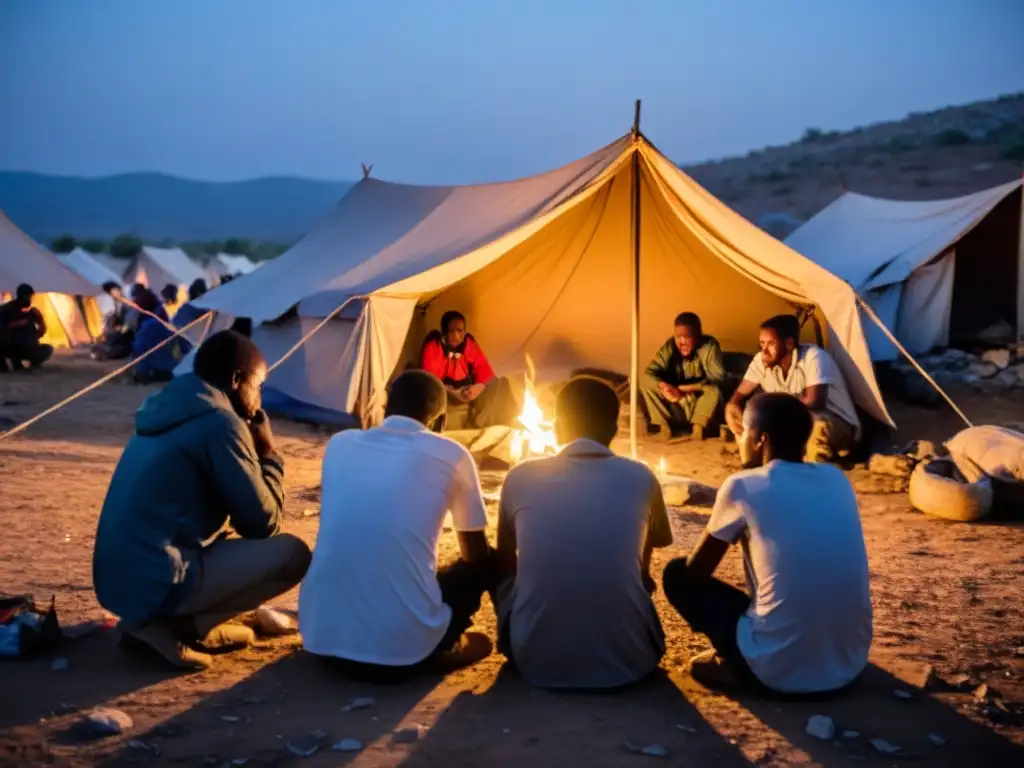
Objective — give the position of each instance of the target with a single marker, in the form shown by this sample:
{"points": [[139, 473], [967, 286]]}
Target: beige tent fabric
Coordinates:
{"points": [[544, 266], [23, 260], [66, 324]]}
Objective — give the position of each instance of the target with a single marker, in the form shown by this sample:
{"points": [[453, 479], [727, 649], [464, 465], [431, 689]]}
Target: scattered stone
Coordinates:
{"points": [[885, 747], [347, 745], [858, 758], [684, 728], [821, 727], [231, 718], [651, 750], [305, 745], [506, 731], [363, 702], [851, 734], [240, 760], [937, 740], [60, 664], [310, 512], [104, 721], [899, 693], [1000, 358], [654, 750], [144, 747], [983, 692], [406, 735], [274, 623]]}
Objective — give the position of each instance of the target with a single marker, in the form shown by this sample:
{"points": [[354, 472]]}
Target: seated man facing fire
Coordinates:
{"points": [[575, 537], [805, 626], [807, 372], [476, 397], [374, 601], [682, 387]]}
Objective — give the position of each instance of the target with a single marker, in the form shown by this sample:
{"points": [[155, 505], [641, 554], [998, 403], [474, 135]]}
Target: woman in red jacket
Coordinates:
{"points": [[476, 397]]}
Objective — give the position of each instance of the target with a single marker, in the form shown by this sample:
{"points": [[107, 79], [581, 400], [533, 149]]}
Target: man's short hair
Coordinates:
{"points": [[146, 300], [197, 289], [110, 286], [224, 353], [785, 420], [417, 395], [24, 291], [450, 317], [689, 320], [587, 407], [786, 326]]}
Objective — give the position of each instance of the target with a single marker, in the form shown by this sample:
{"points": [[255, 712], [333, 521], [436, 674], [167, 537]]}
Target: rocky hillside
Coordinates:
{"points": [[946, 153]]}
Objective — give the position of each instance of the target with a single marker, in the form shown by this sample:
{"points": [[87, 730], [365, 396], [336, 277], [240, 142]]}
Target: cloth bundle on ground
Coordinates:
{"points": [[24, 629]]}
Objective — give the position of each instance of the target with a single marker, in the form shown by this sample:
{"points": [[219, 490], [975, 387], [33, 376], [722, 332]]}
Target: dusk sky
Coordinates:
{"points": [[456, 91]]}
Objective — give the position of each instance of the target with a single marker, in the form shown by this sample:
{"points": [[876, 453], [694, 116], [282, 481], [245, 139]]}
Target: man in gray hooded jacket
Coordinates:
{"points": [[202, 460]]}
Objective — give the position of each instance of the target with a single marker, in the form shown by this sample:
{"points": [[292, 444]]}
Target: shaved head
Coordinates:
{"points": [[231, 363]]}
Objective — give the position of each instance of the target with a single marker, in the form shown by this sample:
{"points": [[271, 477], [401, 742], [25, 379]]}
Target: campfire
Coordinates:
{"points": [[536, 435]]}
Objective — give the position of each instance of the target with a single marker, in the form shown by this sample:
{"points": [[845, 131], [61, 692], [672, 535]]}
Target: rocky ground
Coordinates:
{"points": [[944, 686]]}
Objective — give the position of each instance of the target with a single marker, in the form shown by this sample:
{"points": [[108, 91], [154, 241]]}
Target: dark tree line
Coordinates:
{"points": [[126, 246]]}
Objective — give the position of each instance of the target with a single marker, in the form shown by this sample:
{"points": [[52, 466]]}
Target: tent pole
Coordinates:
{"points": [[917, 366], [634, 359], [1020, 268]]}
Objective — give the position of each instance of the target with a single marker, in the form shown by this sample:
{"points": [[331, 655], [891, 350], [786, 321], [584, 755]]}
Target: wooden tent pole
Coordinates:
{"points": [[634, 358]]}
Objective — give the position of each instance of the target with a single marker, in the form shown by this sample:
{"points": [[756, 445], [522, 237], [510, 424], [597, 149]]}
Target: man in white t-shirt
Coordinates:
{"points": [[373, 597], [807, 628], [807, 372]]}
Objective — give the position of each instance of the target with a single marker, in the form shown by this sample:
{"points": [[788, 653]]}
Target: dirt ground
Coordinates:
{"points": [[946, 597]]}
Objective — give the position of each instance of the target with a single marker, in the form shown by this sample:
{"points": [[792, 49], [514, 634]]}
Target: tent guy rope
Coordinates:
{"points": [[298, 345], [98, 383], [917, 366]]}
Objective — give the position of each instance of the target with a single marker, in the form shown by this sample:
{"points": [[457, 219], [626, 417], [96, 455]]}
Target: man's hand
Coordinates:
{"points": [[457, 394], [473, 391], [262, 436], [734, 418], [670, 393]]}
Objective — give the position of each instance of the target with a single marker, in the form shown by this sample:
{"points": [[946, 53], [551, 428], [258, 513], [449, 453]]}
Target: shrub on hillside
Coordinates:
{"points": [[816, 136], [1013, 147], [951, 137]]}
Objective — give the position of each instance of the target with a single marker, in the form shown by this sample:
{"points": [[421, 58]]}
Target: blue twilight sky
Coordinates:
{"points": [[468, 90]]}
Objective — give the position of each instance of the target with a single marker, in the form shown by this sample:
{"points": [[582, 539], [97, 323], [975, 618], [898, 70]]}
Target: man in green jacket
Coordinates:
{"points": [[681, 388], [201, 460]]}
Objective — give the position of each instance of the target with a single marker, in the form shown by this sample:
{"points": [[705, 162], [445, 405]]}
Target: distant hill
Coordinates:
{"points": [[158, 207], [945, 153]]}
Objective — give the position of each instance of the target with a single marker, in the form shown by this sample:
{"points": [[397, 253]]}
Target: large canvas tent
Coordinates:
{"points": [[88, 267], [550, 265], [69, 320], [158, 267], [936, 272]]}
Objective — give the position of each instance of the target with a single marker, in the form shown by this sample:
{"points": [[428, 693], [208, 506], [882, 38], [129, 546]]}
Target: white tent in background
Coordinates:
{"points": [[118, 266], [231, 264], [935, 272], [543, 265], [158, 267], [23, 260], [86, 266]]}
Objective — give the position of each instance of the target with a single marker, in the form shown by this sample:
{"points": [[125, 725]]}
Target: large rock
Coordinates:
{"points": [[1000, 358], [983, 370], [1007, 378]]}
